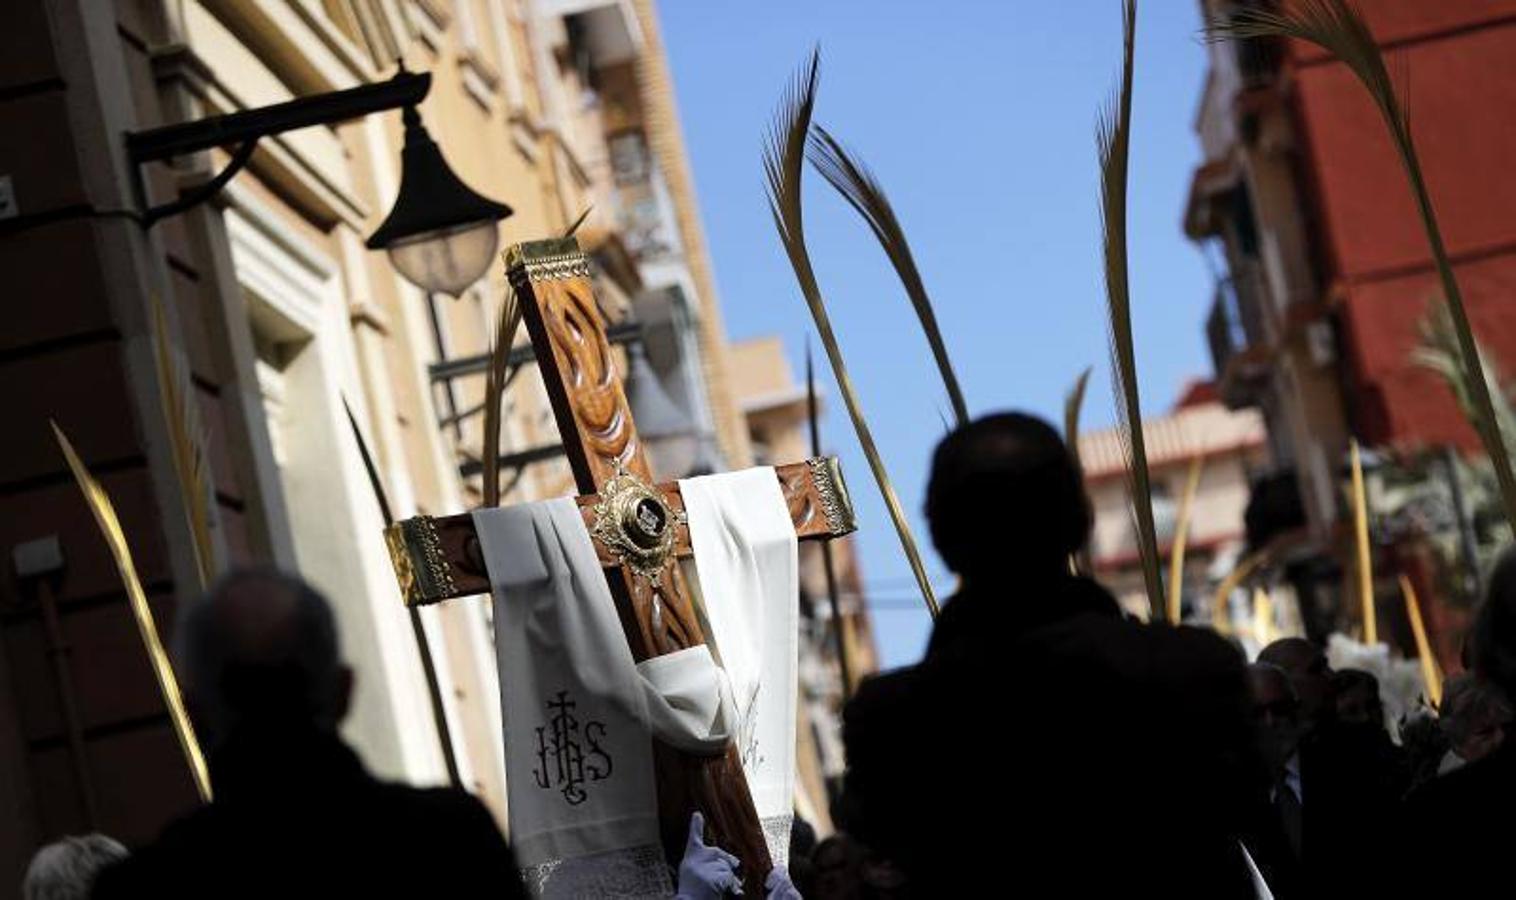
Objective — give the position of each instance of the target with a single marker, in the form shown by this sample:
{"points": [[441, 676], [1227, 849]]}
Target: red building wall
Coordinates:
{"points": [[1456, 61]]}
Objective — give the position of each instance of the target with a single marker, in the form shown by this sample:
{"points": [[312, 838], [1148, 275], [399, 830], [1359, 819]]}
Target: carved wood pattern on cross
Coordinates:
{"points": [[439, 558], [585, 389]]}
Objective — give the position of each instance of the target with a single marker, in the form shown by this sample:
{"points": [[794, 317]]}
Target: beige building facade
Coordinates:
{"points": [[1231, 449], [283, 319]]}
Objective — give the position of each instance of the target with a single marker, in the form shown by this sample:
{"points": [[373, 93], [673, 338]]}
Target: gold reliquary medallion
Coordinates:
{"points": [[635, 523]]}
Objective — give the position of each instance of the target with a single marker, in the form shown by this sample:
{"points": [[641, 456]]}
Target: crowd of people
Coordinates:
{"points": [[1046, 745], [1047, 741]]}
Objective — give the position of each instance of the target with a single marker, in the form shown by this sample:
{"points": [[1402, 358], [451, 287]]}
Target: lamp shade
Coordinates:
{"points": [[440, 235]]}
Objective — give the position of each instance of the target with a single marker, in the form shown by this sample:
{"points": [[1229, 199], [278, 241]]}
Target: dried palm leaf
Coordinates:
{"points": [[1220, 620], [862, 190], [1438, 351], [1113, 135], [1072, 405], [1181, 536], [168, 685], [783, 164], [494, 389], [1263, 617], [1335, 26], [1431, 675], [187, 442], [1079, 563], [569, 231], [1361, 538], [418, 631]]}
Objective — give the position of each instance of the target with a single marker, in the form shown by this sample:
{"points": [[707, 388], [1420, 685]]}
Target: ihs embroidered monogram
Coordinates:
{"points": [[564, 763]]}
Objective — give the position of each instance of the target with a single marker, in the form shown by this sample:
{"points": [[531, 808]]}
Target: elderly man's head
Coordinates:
{"points": [[260, 651], [1310, 675], [1275, 713], [66, 869]]}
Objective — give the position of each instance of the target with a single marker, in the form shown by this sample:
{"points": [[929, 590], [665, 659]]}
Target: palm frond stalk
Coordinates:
{"points": [[783, 164], [418, 630], [1338, 28], [569, 231], [1263, 616], [1431, 675], [1073, 404], [494, 390], [1220, 620], [1113, 134], [864, 193], [1361, 538], [1079, 563], [104, 511], [1181, 537], [187, 443]]}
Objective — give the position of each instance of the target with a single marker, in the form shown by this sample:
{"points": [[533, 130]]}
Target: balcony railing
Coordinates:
{"points": [[1235, 331]]}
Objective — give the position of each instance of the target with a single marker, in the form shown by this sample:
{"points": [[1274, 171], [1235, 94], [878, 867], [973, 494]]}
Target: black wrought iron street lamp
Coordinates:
{"points": [[441, 235]]}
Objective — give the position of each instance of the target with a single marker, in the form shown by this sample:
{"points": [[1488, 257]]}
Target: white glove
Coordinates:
{"points": [[779, 886], [706, 873]]}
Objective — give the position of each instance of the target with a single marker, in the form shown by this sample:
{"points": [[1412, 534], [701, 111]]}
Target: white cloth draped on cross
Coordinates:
{"points": [[579, 713]]}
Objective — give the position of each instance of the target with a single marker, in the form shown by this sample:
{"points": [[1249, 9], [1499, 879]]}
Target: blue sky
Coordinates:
{"points": [[978, 118]]}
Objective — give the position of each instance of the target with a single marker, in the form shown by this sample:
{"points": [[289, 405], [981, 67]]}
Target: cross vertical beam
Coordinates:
{"points": [[551, 279]]}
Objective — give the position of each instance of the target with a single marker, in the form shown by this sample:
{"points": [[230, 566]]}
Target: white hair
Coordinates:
{"points": [[66, 869]]}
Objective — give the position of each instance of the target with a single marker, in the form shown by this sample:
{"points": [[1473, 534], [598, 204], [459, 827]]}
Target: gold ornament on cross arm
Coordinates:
{"points": [[636, 524]]}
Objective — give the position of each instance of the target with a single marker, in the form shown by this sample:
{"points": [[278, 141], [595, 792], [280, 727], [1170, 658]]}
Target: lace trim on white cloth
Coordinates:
{"points": [[638, 872], [776, 833]]}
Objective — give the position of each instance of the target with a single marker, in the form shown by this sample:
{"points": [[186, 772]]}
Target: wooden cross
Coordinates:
{"points": [[638, 530]]}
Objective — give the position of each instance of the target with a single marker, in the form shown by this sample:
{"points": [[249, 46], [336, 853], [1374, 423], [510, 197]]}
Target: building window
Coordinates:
{"points": [[1165, 511], [630, 163]]}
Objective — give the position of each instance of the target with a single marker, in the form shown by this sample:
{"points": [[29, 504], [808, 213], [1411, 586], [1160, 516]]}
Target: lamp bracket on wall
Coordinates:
{"points": [[244, 129]]}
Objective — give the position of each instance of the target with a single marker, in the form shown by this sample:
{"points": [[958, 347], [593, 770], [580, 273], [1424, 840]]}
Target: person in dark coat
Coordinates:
{"points": [[1046, 744], [1335, 795], [1458, 828], [295, 813]]}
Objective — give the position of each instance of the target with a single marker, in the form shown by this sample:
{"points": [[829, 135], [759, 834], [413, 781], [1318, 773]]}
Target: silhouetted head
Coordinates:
{"points": [[1357, 697], [1474, 716], [1275, 713], [66, 869], [1310, 675], [1492, 641], [259, 651], [1006, 496]]}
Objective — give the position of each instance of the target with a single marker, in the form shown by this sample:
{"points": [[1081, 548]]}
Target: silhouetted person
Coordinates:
{"points": [[1338, 791], [846, 870], [1310, 675], [1356, 694], [1276, 822], [1045, 741], [67, 868], [295, 813], [1465, 815], [1475, 715]]}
